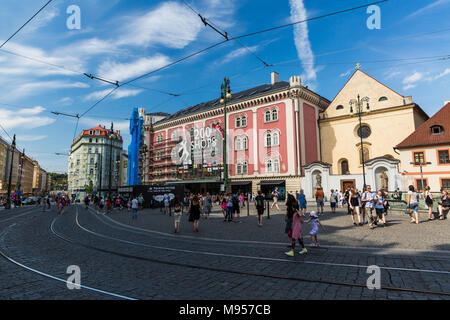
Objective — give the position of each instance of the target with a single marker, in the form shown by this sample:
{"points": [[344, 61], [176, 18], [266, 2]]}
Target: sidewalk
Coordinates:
{"points": [[400, 233]]}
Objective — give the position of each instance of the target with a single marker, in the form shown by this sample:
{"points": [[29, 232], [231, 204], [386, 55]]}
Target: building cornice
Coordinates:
{"points": [[272, 97], [368, 113]]}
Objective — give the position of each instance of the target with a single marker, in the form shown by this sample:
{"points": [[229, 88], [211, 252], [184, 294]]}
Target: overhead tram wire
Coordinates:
{"points": [[222, 42], [18, 30], [208, 22], [79, 72]]}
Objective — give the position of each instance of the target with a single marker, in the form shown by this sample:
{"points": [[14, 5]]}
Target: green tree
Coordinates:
{"points": [[89, 188]]}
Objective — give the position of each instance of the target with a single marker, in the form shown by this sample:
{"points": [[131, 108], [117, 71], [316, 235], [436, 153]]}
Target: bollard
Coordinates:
{"points": [[268, 209], [248, 208]]}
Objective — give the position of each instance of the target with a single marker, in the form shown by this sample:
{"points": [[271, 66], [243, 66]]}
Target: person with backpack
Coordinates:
{"points": [[260, 206]]}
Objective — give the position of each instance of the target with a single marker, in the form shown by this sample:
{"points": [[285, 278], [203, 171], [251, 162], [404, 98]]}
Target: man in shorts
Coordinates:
{"points": [[320, 200], [260, 206], [367, 206], [236, 210], [275, 194]]}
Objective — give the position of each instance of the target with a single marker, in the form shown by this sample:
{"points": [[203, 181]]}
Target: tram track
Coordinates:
{"points": [[10, 259], [243, 273], [439, 254]]}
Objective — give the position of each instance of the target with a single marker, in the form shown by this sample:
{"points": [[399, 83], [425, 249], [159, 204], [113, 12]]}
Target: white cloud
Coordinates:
{"points": [[26, 118], [118, 94], [427, 8], [43, 19], [238, 53], [121, 71], [171, 24], [409, 86], [31, 87], [416, 76], [66, 101], [442, 74], [302, 43], [26, 137]]}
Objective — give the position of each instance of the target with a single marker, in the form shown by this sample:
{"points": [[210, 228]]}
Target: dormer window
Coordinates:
{"points": [[382, 99], [436, 130]]}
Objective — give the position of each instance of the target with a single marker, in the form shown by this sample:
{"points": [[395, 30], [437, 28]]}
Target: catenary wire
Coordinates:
{"points": [[18, 30]]}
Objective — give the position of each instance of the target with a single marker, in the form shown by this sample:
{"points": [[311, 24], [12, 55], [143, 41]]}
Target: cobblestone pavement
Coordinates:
{"points": [[144, 259]]}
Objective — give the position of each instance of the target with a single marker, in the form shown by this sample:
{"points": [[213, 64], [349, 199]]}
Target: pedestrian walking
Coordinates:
{"points": [[355, 205], [444, 205], [166, 203], [229, 212], [134, 208], [296, 234], [302, 201], [413, 205], [275, 194], [260, 206], [194, 212], [429, 202], [380, 204], [101, 205], [207, 205], [319, 199], [291, 207], [223, 206], [367, 206], [315, 223], [141, 202], [333, 201], [236, 209], [177, 213]]}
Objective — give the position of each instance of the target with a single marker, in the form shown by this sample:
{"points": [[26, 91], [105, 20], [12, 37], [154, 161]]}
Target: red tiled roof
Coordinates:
{"points": [[103, 132], [423, 137]]}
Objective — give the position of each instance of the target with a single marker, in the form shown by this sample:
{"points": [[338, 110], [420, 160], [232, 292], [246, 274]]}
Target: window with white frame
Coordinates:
{"points": [[244, 121], [271, 115], [238, 144], [242, 167], [238, 122], [268, 139], [159, 138], [276, 166], [274, 114], [275, 139], [241, 143], [269, 165], [158, 156], [267, 116]]}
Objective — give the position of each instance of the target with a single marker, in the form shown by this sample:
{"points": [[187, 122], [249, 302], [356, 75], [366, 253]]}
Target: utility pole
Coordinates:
{"points": [[225, 96], [111, 136], [8, 199], [359, 113]]}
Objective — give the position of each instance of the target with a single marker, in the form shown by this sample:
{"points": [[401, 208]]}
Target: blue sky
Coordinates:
{"points": [[120, 40]]}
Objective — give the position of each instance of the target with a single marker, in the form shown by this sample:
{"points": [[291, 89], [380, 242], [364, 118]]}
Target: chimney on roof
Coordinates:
{"points": [[274, 77]]}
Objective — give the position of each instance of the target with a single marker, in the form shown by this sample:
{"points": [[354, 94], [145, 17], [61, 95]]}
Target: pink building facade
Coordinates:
{"points": [[272, 132]]}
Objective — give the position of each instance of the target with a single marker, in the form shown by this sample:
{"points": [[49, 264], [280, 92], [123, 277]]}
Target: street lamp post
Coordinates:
{"points": [[420, 164], [224, 97], [19, 183], [13, 147], [359, 112], [111, 137]]}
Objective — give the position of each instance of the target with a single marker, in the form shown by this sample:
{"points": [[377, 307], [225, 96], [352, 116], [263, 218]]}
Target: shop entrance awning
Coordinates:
{"points": [[241, 183], [192, 181], [271, 182]]}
